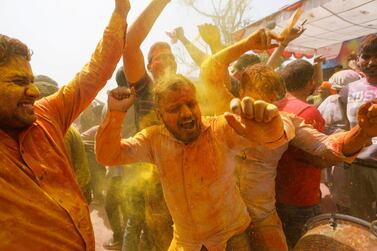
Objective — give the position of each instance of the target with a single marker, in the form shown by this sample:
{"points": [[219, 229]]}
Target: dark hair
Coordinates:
{"points": [[155, 46], [297, 74], [368, 45], [10, 47], [170, 83], [262, 79], [246, 60], [120, 78]]}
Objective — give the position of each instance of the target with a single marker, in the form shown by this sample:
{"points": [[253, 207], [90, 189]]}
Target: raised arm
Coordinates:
{"points": [[341, 146], [73, 98], [274, 59], [133, 60], [214, 70], [195, 53], [110, 148], [211, 35]]}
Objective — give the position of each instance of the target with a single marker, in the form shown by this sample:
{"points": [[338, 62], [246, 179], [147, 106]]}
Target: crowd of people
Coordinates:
{"points": [[234, 161]]}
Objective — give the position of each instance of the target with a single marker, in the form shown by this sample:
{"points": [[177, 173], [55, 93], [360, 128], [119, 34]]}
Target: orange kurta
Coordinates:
{"points": [[41, 206], [197, 178]]}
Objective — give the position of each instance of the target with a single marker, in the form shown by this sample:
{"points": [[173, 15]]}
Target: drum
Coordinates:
{"points": [[338, 232]]}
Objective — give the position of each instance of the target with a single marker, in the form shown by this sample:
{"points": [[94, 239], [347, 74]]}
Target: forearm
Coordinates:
{"points": [[195, 53], [232, 52], [216, 47], [74, 97], [133, 64], [143, 24], [274, 59], [318, 73], [111, 150], [108, 138]]}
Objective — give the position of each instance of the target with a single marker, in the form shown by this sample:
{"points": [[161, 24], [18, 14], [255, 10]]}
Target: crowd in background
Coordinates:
{"points": [[168, 178]]}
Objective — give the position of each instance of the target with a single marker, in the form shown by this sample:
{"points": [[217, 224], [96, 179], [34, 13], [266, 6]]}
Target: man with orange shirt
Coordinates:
{"points": [[41, 206], [194, 156]]}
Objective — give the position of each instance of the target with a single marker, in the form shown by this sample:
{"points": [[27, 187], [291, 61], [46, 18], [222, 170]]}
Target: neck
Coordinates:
{"points": [[301, 95]]}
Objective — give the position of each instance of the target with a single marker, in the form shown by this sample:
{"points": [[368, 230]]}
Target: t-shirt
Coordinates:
{"points": [[297, 181], [354, 95]]}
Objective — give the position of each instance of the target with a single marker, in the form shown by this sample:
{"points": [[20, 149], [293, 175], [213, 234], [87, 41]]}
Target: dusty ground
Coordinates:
{"points": [[101, 227]]}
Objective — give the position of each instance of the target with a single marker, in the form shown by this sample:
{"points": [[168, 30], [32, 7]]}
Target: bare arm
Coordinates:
{"points": [[214, 70], [211, 35], [274, 60], [195, 53], [133, 60]]}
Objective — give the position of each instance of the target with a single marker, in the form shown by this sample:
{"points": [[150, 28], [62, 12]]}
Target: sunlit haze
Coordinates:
{"points": [[63, 34]]}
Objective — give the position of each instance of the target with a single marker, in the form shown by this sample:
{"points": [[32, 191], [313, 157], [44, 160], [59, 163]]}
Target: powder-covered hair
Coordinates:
{"points": [[172, 82], [10, 47], [262, 79]]}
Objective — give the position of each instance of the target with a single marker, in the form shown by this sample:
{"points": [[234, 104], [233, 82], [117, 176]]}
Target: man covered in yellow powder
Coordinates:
{"points": [[195, 159], [41, 206], [256, 167]]}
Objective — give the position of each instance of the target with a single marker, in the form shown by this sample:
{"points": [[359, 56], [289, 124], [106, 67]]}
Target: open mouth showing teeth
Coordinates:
{"points": [[190, 124], [27, 105]]}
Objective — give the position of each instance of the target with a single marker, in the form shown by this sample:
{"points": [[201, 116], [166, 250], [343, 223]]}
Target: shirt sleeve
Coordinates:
{"points": [[319, 144], [65, 105], [112, 150]]}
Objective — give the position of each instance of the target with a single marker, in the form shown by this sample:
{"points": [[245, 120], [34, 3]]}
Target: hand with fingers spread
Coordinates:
{"points": [[120, 99], [179, 33], [210, 34], [262, 39], [257, 121], [367, 118], [292, 35]]}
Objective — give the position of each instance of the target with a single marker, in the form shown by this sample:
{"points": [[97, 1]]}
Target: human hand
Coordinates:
{"points": [[261, 39], [292, 35], [367, 118], [172, 35], [120, 99], [255, 120], [210, 34], [292, 23], [179, 33], [319, 59], [122, 7]]}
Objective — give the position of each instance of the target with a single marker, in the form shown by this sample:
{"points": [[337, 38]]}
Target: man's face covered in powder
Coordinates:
{"points": [[181, 115], [162, 62], [17, 94]]}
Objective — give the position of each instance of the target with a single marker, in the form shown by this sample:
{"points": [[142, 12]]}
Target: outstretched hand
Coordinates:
{"points": [[122, 6], [179, 32], [255, 120], [262, 39], [120, 99], [210, 34], [292, 35], [367, 118]]}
